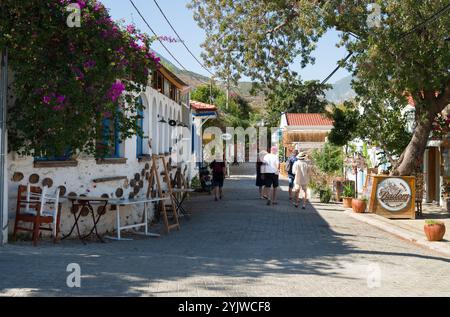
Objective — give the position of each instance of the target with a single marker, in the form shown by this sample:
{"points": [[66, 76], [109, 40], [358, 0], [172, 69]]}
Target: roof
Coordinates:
{"points": [[308, 119], [174, 79], [200, 106]]}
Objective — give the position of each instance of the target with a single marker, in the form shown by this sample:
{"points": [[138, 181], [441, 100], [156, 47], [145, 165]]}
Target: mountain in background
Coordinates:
{"points": [[341, 91]]}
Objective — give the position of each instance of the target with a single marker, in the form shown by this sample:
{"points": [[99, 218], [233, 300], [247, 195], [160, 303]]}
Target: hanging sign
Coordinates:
{"points": [[393, 197]]}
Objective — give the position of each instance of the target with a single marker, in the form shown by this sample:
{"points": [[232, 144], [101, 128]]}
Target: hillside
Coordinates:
{"points": [[341, 89]]}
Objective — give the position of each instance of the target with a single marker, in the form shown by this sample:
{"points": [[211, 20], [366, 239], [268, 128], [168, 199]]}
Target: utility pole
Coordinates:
{"points": [[3, 149], [228, 92]]}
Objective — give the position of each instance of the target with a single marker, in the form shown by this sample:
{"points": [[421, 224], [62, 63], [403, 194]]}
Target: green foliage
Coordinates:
{"points": [[348, 191], [207, 94], [325, 195], [262, 39], [346, 119], [67, 80], [237, 114], [329, 159], [295, 96], [433, 222]]}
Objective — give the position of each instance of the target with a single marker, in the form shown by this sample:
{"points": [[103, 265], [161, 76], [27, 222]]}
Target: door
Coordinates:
{"points": [[432, 175]]}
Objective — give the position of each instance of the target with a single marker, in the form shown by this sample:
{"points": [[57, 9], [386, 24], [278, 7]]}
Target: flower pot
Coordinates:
{"points": [[347, 202], [359, 206], [434, 232]]}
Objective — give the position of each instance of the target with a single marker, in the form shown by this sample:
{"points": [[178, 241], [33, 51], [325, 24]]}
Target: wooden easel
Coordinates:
{"points": [[154, 175]]}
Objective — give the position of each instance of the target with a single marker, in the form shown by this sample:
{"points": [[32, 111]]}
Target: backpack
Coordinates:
{"points": [[288, 166]]}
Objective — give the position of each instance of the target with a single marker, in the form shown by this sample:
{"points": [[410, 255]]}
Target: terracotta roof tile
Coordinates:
{"points": [[308, 119], [200, 106]]}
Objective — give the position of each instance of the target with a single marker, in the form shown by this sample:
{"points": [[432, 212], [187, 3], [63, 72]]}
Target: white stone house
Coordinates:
{"points": [[166, 102], [304, 131]]}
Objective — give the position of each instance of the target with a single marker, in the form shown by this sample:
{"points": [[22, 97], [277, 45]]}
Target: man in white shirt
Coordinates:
{"points": [[272, 171]]}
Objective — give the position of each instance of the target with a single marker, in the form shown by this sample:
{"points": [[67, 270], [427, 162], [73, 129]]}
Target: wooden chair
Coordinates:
{"points": [[39, 207]]}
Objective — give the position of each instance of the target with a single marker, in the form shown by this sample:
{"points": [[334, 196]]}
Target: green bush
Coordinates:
{"points": [[325, 195]]}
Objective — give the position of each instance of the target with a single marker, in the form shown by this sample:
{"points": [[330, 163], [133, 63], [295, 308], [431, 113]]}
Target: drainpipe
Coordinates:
{"points": [[3, 150]]}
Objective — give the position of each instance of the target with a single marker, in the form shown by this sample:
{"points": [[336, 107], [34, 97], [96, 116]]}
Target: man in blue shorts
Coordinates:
{"points": [[289, 164]]}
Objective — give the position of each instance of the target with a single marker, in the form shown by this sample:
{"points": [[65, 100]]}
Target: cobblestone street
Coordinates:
{"points": [[237, 247]]}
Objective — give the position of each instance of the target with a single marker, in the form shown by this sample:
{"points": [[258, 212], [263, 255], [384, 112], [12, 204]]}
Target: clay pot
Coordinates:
{"points": [[347, 202], [434, 232], [359, 206]]}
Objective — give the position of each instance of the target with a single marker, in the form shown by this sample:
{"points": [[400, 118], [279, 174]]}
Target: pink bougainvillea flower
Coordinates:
{"points": [[60, 99], [131, 29], [116, 90], [46, 99], [89, 64]]}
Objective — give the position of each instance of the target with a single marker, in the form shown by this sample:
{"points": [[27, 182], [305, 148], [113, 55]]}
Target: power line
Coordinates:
{"points": [[156, 35], [424, 23], [181, 40]]}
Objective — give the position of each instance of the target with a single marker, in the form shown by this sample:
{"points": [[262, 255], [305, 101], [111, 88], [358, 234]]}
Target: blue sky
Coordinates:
{"points": [[326, 53]]}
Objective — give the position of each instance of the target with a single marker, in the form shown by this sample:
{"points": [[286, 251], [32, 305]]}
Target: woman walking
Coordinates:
{"points": [[260, 171]]}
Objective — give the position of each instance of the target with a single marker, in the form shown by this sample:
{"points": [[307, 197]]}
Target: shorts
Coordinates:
{"points": [[291, 181], [271, 180], [217, 182], [304, 188]]}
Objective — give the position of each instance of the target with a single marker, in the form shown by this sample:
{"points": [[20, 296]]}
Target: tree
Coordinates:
{"points": [[408, 51], [329, 159], [207, 93], [345, 129], [376, 121], [295, 96], [237, 114], [67, 81]]}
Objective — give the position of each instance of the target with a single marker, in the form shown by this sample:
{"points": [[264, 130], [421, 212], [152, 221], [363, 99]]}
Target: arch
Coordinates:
{"points": [[166, 130], [154, 126], [160, 133]]}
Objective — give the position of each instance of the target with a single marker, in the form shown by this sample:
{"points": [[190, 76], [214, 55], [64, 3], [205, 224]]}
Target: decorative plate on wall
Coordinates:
{"points": [[62, 190], [34, 179], [47, 182], [137, 177], [17, 177], [147, 166], [119, 192]]}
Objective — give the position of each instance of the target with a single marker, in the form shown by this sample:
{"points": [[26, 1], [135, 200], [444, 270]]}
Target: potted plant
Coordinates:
{"points": [[359, 205], [347, 197], [434, 230]]}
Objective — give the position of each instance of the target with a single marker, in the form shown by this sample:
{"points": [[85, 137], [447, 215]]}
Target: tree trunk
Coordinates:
{"points": [[427, 109], [412, 156]]}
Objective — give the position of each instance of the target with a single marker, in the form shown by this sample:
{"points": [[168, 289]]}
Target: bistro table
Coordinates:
{"points": [[179, 200], [83, 206], [129, 202]]}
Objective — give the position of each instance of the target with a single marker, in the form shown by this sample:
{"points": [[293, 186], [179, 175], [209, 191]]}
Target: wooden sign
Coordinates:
{"points": [[393, 197]]}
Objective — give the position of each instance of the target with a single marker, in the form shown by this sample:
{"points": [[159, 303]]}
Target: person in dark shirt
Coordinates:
{"points": [[218, 172]]}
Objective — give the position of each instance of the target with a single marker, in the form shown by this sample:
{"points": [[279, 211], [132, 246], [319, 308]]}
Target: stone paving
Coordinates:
{"points": [[236, 247]]}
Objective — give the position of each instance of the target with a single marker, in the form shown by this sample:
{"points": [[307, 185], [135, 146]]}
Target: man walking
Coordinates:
{"points": [[219, 171], [302, 171], [272, 171], [289, 169]]}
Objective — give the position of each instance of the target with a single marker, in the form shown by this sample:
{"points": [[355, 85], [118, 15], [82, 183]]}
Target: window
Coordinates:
{"points": [[111, 146], [139, 139], [66, 156]]}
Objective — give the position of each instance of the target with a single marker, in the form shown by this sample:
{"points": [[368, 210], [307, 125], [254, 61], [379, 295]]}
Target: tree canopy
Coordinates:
{"points": [[399, 48], [295, 96]]}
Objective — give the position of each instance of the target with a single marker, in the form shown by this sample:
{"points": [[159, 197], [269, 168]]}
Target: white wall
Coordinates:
{"points": [[80, 179]]}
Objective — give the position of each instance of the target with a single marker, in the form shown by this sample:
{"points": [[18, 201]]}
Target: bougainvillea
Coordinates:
{"points": [[68, 79]]}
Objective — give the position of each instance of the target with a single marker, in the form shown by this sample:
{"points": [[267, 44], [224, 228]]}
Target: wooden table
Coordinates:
{"points": [[79, 205], [128, 202]]}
